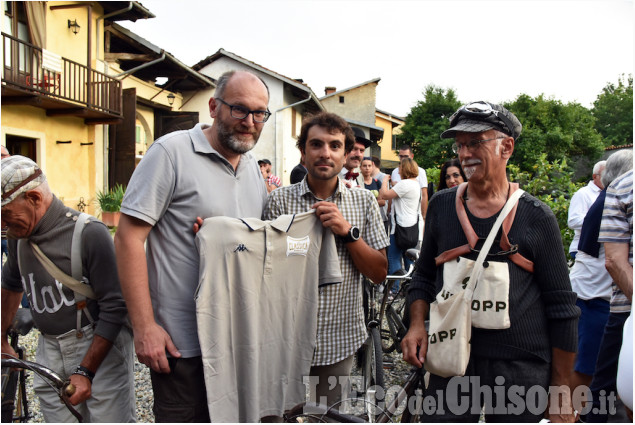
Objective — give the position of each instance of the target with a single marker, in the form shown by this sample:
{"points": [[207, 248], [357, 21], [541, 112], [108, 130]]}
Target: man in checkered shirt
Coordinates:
{"points": [[353, 215]]}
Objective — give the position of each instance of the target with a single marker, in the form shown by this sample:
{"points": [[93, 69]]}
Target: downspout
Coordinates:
{"points": [[110, 15], [275, 128]]}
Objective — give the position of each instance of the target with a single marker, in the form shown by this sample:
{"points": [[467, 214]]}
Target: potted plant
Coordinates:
{"points": [[110, 204]]}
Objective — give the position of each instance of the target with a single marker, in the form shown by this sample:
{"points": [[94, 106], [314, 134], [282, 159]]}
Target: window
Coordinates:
{"points": [[19, 145], [341, 99], [15, 24], [394, 142]]}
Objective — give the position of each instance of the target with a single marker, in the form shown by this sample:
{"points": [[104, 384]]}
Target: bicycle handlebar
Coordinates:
{"points": [[64, 388], [402, 276], [38, 368]]}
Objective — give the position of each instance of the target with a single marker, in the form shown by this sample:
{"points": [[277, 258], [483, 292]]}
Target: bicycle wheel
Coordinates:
{"points": [[372, 364], [387, 331]]}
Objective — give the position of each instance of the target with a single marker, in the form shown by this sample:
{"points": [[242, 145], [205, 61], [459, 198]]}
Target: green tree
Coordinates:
{"points": [[552, 183], [555, 129], [613, 111], [425, 123]]}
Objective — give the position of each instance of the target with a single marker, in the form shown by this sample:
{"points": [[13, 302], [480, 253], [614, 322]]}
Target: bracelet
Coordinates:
{"points": [[81, 370]]}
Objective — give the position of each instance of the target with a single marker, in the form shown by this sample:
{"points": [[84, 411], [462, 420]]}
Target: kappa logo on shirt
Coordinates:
{"points": [[298, 246], [241, 247]]}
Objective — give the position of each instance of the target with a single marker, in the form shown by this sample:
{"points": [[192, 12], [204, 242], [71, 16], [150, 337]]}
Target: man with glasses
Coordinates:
{"points": [[533, 352], [206, 171]]}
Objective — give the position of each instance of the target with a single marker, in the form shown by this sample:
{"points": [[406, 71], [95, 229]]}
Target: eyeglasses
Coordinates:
{"points": [[404, 156], [240, 112], [480, 111], [472, 145]]}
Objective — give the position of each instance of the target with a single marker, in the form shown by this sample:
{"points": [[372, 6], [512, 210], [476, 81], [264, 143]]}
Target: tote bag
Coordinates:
{"points": [[407, 237], [490, 302], [451, 318]]}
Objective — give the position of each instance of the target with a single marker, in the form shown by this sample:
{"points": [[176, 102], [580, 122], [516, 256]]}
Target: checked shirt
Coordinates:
{"points": [[341, 329]]}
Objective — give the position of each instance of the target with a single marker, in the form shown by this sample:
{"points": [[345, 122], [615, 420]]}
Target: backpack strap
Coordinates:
{"points": [[76, 269], [472, 237]]}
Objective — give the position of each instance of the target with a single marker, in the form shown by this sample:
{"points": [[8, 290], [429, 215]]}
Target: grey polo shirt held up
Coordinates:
{"points": [[257, 310]]}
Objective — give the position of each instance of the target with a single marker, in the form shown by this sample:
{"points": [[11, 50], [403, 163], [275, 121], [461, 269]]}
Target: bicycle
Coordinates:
{"points": [[393, 316], [15, 405]]}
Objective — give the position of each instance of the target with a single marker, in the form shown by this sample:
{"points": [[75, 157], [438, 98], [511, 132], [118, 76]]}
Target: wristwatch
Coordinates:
{"points": [[352, 235]]}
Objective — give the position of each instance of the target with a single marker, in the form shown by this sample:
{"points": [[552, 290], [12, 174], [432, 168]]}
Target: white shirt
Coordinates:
{"points": [[589, 277], [422, 178], [257, 310], [351, 183], [581, 201], [407, 205]]}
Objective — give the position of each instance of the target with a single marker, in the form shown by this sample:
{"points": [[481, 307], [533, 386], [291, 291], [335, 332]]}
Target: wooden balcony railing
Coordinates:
{"points": [[74, 83]]}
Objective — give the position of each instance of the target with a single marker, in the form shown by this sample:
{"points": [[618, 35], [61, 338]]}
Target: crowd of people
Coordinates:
{"points": [[156, 290]]}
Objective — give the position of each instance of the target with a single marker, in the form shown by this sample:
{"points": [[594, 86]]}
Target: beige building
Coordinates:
{"points": [[388, 143], [82, 96]]}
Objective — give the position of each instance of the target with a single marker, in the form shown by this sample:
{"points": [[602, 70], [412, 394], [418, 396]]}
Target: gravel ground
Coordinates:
{"points": [[395, 373]]}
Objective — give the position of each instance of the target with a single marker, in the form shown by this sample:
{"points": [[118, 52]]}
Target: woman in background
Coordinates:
{"points": [[406, 196], [451, 174]]}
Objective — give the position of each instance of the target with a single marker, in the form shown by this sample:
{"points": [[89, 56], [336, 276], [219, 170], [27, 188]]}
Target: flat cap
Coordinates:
{"points": [[19, 174], [480, 116]]}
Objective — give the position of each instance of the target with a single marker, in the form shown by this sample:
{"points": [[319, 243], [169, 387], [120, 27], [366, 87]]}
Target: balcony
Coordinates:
{"points": [[32, 76]]}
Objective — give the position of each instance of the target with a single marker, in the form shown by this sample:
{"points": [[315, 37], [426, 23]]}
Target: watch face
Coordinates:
{"points": [[355, 232]]}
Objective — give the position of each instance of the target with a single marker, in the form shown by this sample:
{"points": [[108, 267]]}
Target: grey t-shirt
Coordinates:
{"points": [[182, 177]]}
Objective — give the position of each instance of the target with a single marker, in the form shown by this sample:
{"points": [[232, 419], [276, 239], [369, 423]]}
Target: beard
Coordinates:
{"points": [[229, 140]]}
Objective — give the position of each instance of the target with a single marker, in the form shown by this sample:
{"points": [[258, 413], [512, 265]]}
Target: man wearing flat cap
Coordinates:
{"points": [[82, 330], [350, 174], [528, 347]]}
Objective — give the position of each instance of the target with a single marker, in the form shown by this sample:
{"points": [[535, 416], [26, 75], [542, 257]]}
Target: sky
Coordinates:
{"points": [[484, 50]]}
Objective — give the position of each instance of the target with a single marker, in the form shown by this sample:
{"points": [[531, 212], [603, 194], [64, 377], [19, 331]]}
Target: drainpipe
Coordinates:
{"points": [[275, 128], [110, 15]]}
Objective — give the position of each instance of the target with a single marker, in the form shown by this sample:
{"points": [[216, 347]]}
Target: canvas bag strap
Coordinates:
{"points": [[60, 276], [478, 266]]}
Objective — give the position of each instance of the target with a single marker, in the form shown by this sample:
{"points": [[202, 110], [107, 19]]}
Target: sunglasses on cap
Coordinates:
{"points": [[481, 111]]}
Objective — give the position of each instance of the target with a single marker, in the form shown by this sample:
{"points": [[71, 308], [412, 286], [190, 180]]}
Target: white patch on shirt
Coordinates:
{"points": [[298, 246]]}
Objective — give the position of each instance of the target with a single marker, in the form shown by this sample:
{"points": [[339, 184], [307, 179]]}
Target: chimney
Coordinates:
{"points": [[329, 89]]}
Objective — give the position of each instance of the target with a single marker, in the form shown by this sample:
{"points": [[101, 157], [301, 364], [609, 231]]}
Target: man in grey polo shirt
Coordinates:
{"points": [[206, 171]]}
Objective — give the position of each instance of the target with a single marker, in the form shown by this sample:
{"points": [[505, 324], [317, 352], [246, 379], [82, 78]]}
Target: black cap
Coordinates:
{"points": [[264, 161], [360, 137], [480, 116]]}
